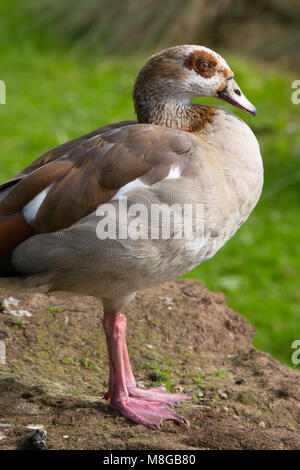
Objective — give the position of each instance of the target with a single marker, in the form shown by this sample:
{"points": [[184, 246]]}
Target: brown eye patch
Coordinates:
{"points": [[202, 62]]}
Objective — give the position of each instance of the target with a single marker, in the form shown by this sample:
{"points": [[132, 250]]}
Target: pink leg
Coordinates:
{"points": [[141, 406]]}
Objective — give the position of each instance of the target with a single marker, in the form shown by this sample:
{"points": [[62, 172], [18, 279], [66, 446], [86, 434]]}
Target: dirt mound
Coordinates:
{"points": [[179, 334]]}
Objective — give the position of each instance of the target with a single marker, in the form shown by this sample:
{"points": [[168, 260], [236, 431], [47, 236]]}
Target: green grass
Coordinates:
{"points": [[54, 95]]}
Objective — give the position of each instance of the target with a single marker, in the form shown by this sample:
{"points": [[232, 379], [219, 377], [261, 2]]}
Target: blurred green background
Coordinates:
{"points": [[69, 67]]}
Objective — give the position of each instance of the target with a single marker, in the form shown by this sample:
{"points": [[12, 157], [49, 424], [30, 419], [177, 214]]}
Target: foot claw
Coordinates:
{"points": [[183, 420]]}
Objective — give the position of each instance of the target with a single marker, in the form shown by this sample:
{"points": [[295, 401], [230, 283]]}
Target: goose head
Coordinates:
{"points": [[179, 74]]}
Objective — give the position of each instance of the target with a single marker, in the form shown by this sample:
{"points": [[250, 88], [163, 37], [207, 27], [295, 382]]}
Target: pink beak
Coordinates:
{"points": [[232, 94]]}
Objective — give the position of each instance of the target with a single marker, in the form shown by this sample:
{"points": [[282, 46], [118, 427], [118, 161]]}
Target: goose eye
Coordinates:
{"points": [[204, 65]]}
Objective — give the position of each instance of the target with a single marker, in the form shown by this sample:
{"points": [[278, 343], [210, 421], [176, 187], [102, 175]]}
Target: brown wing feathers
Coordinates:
{"points": [[13, 230], [31, 185], [17, 192], [85, 173]]}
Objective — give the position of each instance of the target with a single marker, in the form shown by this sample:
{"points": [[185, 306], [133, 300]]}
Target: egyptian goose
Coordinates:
{"points": [[54, 212]]}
